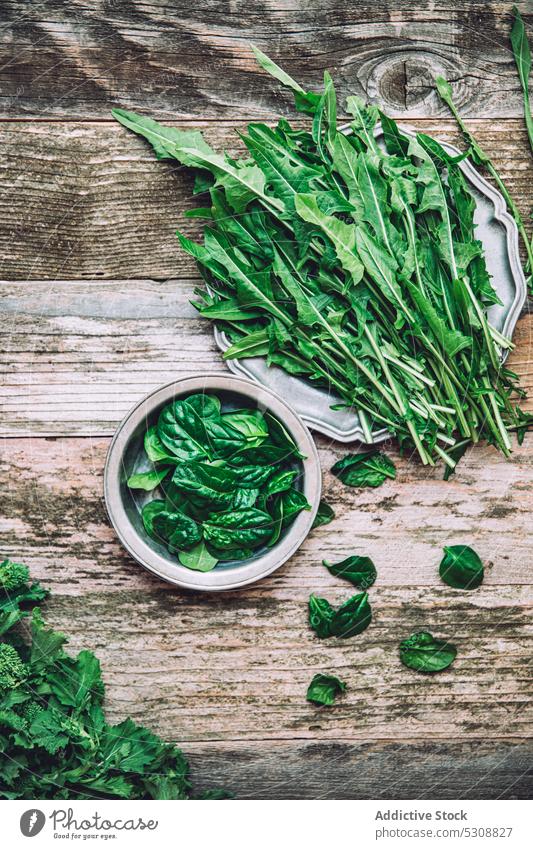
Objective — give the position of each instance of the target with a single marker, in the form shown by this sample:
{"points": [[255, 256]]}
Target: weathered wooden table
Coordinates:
{"points": [[95, 314]]}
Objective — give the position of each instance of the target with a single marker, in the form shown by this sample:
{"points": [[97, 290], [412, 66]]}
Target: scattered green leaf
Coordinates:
{"points": [[324, 689], [461, 567], [360, 571], [229, 481], [370, 468], [424, 653], [325, 514]]}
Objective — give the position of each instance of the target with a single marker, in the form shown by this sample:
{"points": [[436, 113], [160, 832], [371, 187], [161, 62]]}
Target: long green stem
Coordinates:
{"points": [[483, 159]]}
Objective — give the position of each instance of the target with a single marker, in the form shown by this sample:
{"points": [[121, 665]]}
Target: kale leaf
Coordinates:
{"points": [[56, 741]]}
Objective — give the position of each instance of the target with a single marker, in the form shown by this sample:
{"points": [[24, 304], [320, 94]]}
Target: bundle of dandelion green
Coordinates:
{"points": [[352, 261]]}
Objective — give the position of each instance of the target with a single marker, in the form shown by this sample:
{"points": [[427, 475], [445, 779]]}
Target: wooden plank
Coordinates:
{"points": [[79, 61], [414, 769], [225, 676], [236, 667], [91, 201], [75, 356]]}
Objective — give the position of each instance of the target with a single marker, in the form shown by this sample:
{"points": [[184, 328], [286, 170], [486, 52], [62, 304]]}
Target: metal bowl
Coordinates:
{"points": [[126, 454]]}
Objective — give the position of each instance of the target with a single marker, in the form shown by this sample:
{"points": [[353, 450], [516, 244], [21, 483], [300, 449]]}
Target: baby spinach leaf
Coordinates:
{"points": [[287, 505], [182, 427], [352, 617], [238, 529], [320, 616], [251, 476], [233, 485], [461, 567], [324, 689], [154, 448], [266, 454], [251, 423], [294, 502], [369, 468], [325, 514], [179, 530], [198, 558], [244, 498], [206, 484], [522, 57], [281, 437], [147, 480], [280, 482], [360, 571], [242, 183], [422, 652], [234, 554]]}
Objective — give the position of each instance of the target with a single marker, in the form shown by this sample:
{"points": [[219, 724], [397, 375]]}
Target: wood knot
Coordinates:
{"points": [[405, 81]]}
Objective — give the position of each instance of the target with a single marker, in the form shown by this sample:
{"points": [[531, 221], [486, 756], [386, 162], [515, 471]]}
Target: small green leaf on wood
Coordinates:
{"points": [[351, 618], [324, 689], [360, 571], [325, 514], [461, 567], [370, 468], [147, 480], [423, 653]]}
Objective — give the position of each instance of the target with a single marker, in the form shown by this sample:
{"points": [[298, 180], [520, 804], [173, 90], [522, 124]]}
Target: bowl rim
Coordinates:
{"points": [[174, 572]]}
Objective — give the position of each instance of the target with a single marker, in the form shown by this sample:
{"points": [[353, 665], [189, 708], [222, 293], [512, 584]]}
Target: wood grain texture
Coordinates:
{"points": [[235, 667], [75, 356], [486, 769], [77, 60], [95, 313], [54, 518], [91, 201]]}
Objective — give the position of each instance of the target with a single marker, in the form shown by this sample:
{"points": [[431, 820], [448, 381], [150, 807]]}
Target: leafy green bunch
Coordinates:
{"points": [[55, 742], [350, 260], [229, 481]]}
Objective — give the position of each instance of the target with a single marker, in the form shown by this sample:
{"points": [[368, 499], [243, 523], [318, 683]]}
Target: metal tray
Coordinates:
{"points": [[497, 231]]}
